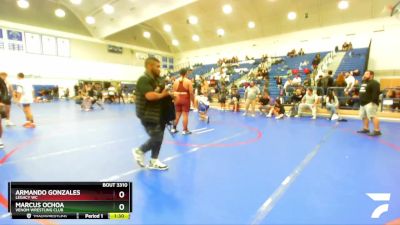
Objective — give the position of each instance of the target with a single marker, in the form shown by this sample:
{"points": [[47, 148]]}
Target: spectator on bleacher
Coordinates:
{"points": [[292, 53], [250, 97], [296, 81], [264, 103], [369, 101], [278, 110], [295, 101], [345, 46], [331, 82], [350, 81], [279, 82], [235, 98], [316, 61], [309, 101], [307, 81], [340, 80], [301, 52], [287, 86], [332, 105], [222, 95], [349, 46]]}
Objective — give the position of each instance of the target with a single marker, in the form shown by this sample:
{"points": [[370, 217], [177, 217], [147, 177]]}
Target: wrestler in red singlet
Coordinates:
{"points": [[183, 90]]}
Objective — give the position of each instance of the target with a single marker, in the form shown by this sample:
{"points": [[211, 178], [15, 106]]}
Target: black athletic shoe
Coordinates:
{"points": [[363, 131], [375, 134]]}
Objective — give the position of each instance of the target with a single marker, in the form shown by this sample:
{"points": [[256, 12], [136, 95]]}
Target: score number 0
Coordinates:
{"points": [[121, 195]]}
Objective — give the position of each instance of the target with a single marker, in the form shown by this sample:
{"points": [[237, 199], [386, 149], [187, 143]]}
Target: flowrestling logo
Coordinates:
{"points": [[381, 209]]}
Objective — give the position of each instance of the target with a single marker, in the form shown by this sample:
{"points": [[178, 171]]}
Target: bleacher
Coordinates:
{"points": [[290, 64], [355, 59], [202, 70]]}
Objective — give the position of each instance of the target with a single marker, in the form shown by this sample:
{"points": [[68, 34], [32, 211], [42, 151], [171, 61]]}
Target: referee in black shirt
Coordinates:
{"points": [[369, 101], [150, 92]]}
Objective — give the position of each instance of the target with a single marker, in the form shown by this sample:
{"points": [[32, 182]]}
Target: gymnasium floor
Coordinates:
{"points": [[236, 170]]}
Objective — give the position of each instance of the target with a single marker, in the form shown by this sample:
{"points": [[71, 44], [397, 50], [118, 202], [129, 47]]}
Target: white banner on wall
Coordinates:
{"points": [[63, 46], [33, 43], [49, 45]]}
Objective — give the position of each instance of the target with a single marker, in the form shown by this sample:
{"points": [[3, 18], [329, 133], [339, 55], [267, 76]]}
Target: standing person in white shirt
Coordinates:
{"points": [[250, 97], [24, 96], [350, 81]]}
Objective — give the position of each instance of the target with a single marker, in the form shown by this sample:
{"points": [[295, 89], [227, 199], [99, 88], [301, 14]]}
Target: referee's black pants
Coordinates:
{"points": [[156, 133]]}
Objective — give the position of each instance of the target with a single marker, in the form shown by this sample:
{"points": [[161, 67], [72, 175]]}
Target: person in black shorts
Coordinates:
{"points": [[222, 97]]}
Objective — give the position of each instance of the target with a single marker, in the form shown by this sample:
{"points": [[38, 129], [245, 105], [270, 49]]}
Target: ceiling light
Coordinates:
{"points": [[220, 32], [167, 28], [343, 5], [146, 34], [196, 38], [193, 20], [292, 16], [24, 4], [108, 9], [59, 12], [90, 20], [251, 25], [227, 9], [76, 2], [175, 42]]}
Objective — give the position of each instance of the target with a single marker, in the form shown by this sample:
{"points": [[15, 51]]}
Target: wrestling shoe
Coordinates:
{"points": [[174, 131], [29, 125], [335, 117], [156, 164], [375, 133], [139, 156], [363, 131], [186, 132], [9, 123]]}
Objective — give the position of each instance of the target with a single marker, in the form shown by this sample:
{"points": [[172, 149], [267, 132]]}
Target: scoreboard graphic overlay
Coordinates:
{"points": [[70, 200]]}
